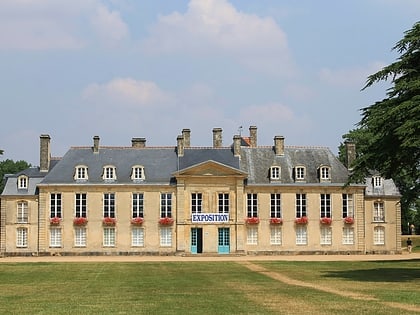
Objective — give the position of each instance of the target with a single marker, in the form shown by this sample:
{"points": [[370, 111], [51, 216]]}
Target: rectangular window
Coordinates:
{"points": [[137, 205], [252, 205], [275, 235], [252, 236], [348, 209], [55, 205], [109, 172], [325, 173], [23, 182], [109, 205], [137, 236], [275, 173], [300, 205], [275, 210], [348, 236], [80, 210], [22, 237], [80, 236], [301, 235], [55, 237], [379, 235], [165, 236], [299, 173], [326, 236], [325, 206], [378, 212], [81, 172], [166, 205], [109, 236], [22, 212], [223, 203], [196, 202]]}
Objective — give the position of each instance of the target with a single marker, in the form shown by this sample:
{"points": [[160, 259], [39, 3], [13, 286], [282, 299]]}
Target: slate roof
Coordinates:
{"points": [[388, 188], [193, 156]]}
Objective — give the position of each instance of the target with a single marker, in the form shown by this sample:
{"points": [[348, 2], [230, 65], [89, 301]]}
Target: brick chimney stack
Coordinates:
{"points": [[217, 137], [279, 145], [186, 133], [44, 153], [180, 145], [138, 142], [96, 144], [350, 154], [237, 145], [253, 136]]}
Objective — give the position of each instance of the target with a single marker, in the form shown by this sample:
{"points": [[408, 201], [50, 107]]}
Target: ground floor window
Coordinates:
{"points": [[22, 237], [348, 236], [80, 237], [109, 236], [55, 237], [165, 236], [252, 235], [326, 236], [275, 235], [137, 236], [379, 235], [301, 235]]}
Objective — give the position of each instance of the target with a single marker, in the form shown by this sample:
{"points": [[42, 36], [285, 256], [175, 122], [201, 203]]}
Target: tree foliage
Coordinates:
{"points": [[388, 135], [11, 167]]}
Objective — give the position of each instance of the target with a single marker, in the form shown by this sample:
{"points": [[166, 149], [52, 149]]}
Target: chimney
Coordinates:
{"points": [[96, 144], [217, 137], [253, 136], [180, 145], [186, 134], [350, 153], [44, 153], [279, 145], [138, 142], [237, 145]]}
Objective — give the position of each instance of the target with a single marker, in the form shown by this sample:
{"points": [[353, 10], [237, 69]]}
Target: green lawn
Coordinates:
{"points": [[208, 288]]}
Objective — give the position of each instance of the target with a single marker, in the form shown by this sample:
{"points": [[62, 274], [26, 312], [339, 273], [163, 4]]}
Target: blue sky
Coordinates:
{"points": [[127, 68]]}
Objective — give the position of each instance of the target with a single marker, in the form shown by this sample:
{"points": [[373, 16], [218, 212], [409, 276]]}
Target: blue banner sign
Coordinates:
{"points": [[210, 218]]}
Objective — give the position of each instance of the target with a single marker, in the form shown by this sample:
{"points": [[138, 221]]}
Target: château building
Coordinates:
{"points": [[242, 199]]}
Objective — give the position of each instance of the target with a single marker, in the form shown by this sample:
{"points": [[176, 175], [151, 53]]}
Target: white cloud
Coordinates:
{"points": [[216, 27]]}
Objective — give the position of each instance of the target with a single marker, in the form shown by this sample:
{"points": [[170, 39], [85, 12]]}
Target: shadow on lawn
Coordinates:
{"points": [[378, 274]]}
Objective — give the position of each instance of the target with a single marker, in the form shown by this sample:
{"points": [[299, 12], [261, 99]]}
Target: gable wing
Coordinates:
{"points": [[210, 168]]}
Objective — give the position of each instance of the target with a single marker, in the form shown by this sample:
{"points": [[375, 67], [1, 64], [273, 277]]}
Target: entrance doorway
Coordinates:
{"points": [[224, 241], [196, 240]]}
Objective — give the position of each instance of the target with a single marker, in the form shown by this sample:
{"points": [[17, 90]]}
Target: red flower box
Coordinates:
{"points": [[80, 221], [55, 221], [166, 221], [348, 220], [325, 220], [108, 221], [252, 220], [276, 221], [137, 221], [301, 220]]}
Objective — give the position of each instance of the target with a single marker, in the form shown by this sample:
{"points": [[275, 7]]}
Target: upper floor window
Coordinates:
{"points": [[378, 211], [22, 212], [377, 181], [325, 206], [55, 205], [223, 203], [138, 205], [166, 205], [109, 173], [300, 172], [80, 209], [300, 205], [137, 173], [275, 173], [252, 205], [324, 173], [23, 182], [275, 206], [109, 205], [196, 202], [81, 173], [348, 209]]}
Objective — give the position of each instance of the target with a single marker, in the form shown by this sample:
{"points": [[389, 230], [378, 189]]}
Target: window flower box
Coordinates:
{"points": [[80, 221], [55, 221], [348, 220], [325, 220], [301, 220], [137, 221], [252, 220], [108, 221], [166, 221], [276, 221]]}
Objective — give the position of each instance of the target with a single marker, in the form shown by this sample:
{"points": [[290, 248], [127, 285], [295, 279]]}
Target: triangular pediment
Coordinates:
{"points": [[210, 168]]}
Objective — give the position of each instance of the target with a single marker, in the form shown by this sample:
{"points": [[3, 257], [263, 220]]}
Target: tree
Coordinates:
{"points": [[387, 137], [11, 167]]}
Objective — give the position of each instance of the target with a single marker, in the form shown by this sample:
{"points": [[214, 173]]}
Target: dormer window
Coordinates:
{"points": [[300, 173], [109, 173], [81, 173], [324, 173], [137, 173], [23, 182], [275, 173], [377, 181]]}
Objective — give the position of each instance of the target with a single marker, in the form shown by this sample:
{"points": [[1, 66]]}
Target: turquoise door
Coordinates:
{"points": [[224, 241], [196, 240]]}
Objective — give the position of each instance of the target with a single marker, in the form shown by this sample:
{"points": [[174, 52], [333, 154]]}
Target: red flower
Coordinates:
{"points": [[325, 220], [349, 220], [55, 221], [137, 221], [109, 221], [166, 221], [301, 220], [252, 220], [80, 221], [276, 221]]}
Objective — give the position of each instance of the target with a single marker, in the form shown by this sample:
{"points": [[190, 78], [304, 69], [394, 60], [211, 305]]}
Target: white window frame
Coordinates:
{"points": [[137, 236], [252, 205], [22, 214], [81, 173], [22, 237], [301, 235], [275, 235], [109, 237], [165, 234], [378, 211], [325, 235], [300, 173], [56, 205], [137, 203], [80, 236], [109, 202], [301, 203], [23, 181], [348, 205], [223, 202], [55, 237], [275, 205], [252, 235], [109, 173], [275, 173], [377, 181], [348, 236], [324, 173], [325, 206], [379, 235], [196, 203], [137, 173], [80, 205]]}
